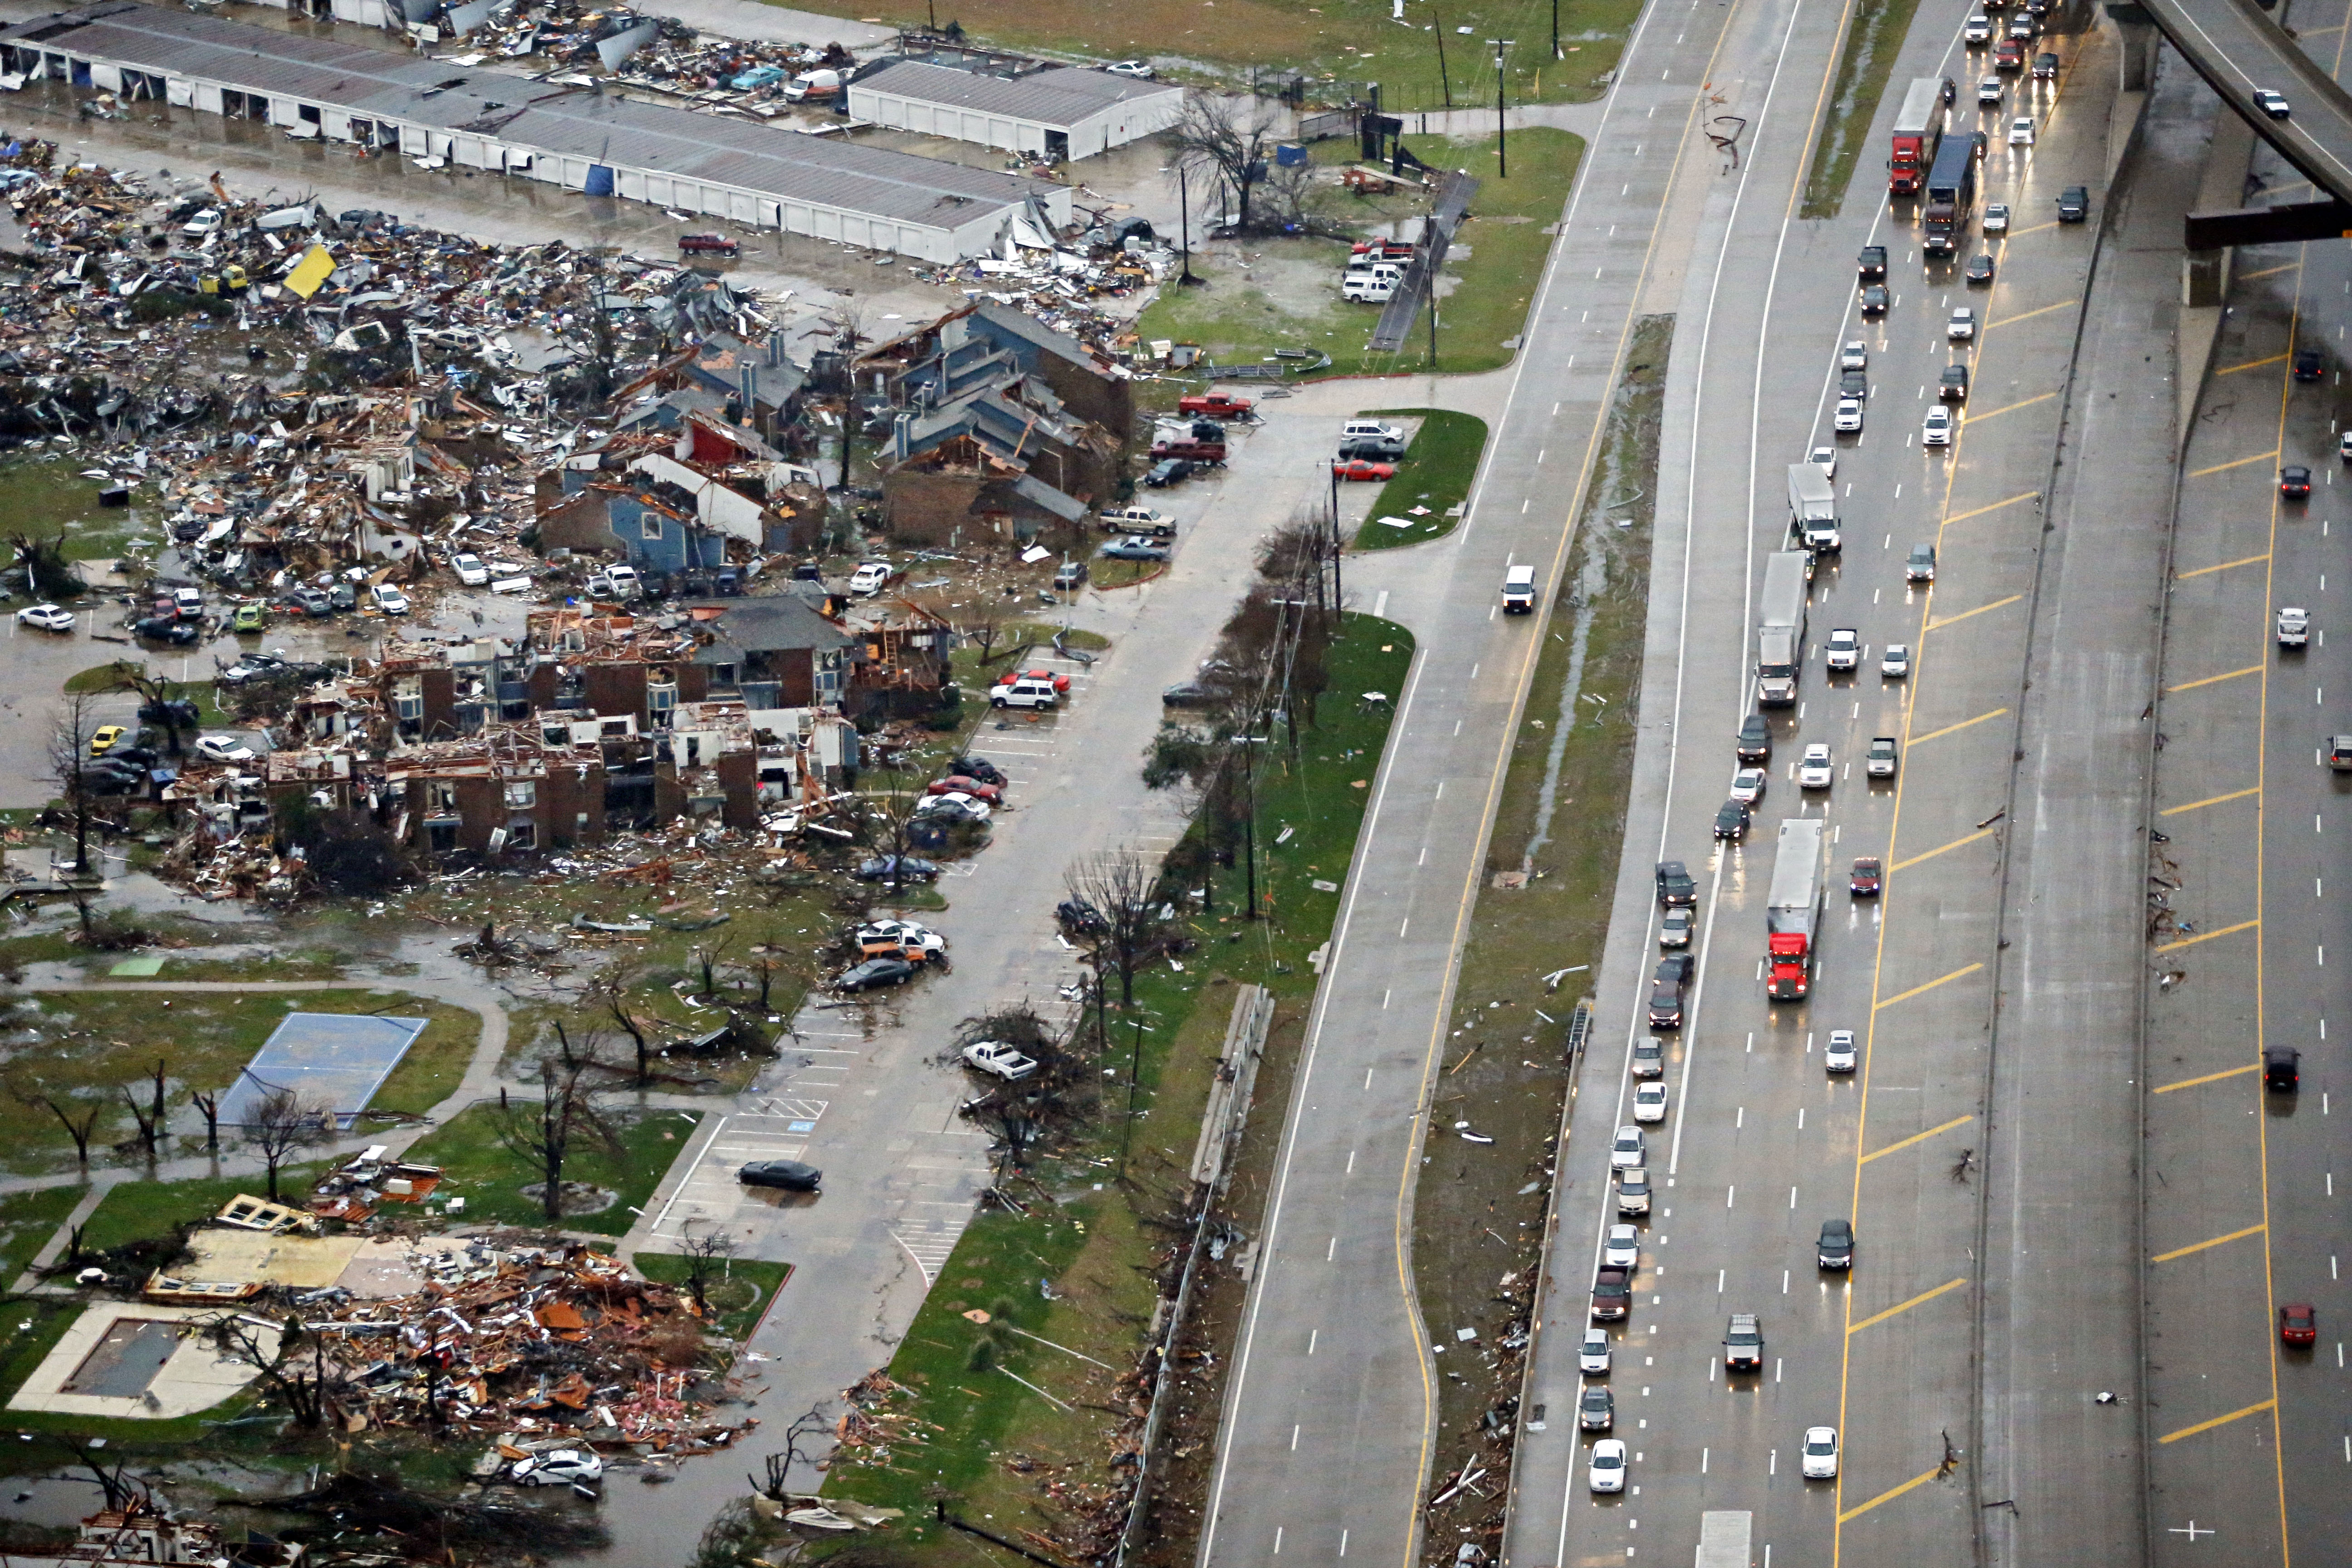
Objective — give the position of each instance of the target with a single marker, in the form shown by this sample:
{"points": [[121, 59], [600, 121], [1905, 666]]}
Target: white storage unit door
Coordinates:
{"points": [[714, 201], [468, 150], [796, 219], [575, 173], [742, 207], [658, 190], [771, 215], [630, 183], [105, 76], [827, 223], [180, 93]]}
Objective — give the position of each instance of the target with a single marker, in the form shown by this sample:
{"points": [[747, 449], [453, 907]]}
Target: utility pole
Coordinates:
{"points": [[1502, 156], [1442, 80], [1555, 31], [1336, 548], [1184, 223]]}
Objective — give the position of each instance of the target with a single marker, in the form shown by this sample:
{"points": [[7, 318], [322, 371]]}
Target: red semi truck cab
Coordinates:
{"points": [[1792, 910]]}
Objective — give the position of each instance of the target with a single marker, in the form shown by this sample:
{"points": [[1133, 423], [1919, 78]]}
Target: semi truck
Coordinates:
{"points": [[1780, 630], [1918, 131], [1812, 508], [1792, 913], [1723, 1537], [1951, 196]]}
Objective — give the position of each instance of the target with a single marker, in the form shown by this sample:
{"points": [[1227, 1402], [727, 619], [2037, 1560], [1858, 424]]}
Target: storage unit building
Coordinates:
{"points": [[601, 143], [1055, 114]]}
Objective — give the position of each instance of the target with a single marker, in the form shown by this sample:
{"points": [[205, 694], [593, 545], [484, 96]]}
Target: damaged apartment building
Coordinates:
{"points": [[999, 426]]}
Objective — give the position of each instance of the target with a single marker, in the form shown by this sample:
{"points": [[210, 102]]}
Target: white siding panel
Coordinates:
{"points": [[179, 91]]}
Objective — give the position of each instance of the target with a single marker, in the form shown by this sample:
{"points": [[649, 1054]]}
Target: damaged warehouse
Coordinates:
{"points": [[582, 138]]}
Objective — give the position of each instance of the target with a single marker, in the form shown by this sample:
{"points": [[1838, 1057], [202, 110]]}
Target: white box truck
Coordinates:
{"points": [[1812, 508], [1781, 629]]}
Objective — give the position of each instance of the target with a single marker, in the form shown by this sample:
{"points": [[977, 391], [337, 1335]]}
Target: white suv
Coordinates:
{"points": [[1844, 649], [1026, 692]]}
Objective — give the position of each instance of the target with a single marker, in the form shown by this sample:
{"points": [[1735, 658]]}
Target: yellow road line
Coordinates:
{"points": [[2258, 364], [1917, 1138], [1901, 1307], [2201, 1246], [2012, 321], [1950, 729], [2235, 463], [1976, 418], [2217, 1421], [1940, 848], [1915, 990], [2036, 229], [2012, 500], [1922, 1478], [2209, 800], [2211, 679], [2207, 936], [2224, 566], [2209, 1077], [1964, 615]]}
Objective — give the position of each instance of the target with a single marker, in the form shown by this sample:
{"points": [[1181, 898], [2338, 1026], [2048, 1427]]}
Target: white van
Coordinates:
{"points": [[1519, 591], [1029, 691]]}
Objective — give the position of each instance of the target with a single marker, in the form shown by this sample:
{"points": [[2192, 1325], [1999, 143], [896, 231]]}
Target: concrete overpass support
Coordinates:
{"points": [[2205, 274]]}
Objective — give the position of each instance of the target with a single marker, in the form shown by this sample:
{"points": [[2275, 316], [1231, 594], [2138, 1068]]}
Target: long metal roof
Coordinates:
{"points": [[1061, 96], [534, 116]]}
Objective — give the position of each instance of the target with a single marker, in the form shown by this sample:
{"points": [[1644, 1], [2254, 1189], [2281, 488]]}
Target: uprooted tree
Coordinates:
{"points": [[1020, 1113], [290, 1361]]}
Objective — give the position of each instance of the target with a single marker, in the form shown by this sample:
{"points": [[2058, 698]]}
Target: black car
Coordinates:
{"points": [[2295, 482], [1979, 270], [1835, 1248], [1731, 820], [2282, 1069], [2308, 364], [979, 768], [179, 634], [1872, 263], [1374, 448], [1666, 990], [1875, 299], [1952, 387], [1079, 918], [1853, 383], [131, 756], [1169, 471], [1755, 743], [896, 868], [2046, 66], [875, 972], [1188, 694], [789, 1174], [2073, 204], [179, 713], [1677, 888]]}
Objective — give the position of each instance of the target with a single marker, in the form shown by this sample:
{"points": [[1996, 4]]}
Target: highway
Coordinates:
{"points": [[2249, 1460], [2239, 50], [1761, 1144]]}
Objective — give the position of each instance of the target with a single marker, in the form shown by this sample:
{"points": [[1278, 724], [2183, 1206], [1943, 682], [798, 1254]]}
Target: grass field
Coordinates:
{"points": [[1437, 474], [90, 1046], [39, 495], [1559, 822], [743, 1290], [135, 1211], [1099, 1247], [1333, 42], [1873, 38], [490, 1177]]}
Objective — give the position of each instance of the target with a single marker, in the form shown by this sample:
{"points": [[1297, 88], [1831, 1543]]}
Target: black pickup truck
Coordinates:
{"points": [[1674, 884]]}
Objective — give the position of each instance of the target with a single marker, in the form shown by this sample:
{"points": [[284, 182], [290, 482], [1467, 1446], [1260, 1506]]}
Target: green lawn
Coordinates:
{"points": [[138, 1211], [27, 1220], [490, 1177], [1437, 474], [1874, 38], [39, 495], [108, 677], [742, 1294]]}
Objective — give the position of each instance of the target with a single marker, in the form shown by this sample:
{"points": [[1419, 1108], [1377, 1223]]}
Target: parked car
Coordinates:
{"points": [[1174, 470], [1190, 694], [157, 628], [45, 617], [791, 1175], [1866, 878], [179, 713], [106, 737], [998, 1059], [874, 973], [307, 600], [708, 244], [388, 600], [1213, 405], [469, 569], [559, 1468], [1141, 519], [249, 617], [1138, 69], [896, 868], [954, 807], [1061, 683], [224, 749], [905, 935], [993, 795], [870, 576], [1374, 448], [1362, 468], [1134, 547]]}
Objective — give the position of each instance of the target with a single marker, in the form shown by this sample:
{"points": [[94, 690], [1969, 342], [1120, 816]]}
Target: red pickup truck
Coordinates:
{"points": [[1612, 1293], [1383, 250], [1215, 405], [1212, 452]]}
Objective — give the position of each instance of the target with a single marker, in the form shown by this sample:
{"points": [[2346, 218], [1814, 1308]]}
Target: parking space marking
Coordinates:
{"points": [[2217, 1421], [1901, 1307], [1939, 850], [2201, 1246], [1887, 1496], [1917, 990], [2207, 936], [2234, 463], [2209, 800], [2212, 680], [1953, 728], [2224, 566], [1917, 1138], [2209, 1077], [1964, 615]]}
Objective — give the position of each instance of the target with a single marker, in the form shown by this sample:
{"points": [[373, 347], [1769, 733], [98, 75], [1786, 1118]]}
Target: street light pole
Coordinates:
{"points": [[1501, 155]]}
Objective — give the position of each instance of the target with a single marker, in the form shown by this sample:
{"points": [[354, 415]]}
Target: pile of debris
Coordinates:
{"points": [[1068, 286], [656, 54]]}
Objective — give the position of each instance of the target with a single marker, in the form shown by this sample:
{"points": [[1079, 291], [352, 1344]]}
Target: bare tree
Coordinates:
{"points": [[1122, 888], [149, 1113], [78, 1127], [156, 695], [289, 1359], [281, 1121], [983, 626], [707, 1254], [69, 760], [120, 1490], [614, 994], [1229, 138], [706, 955], [545, 1131], [801, 1439], [207, 1103]]}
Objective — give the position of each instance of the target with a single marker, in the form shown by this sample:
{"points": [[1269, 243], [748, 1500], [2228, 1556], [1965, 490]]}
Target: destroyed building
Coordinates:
{"points": [[1052, 112]]}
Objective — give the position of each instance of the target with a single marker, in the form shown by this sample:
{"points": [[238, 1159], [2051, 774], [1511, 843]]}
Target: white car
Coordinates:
{"points": [[224, 749], [626, 581], [1996, 217], [1988, 93], [469, 569], [559, 1468], [1896, 662], [1843, 650], [1937, 429], [1839, 1055], [2021, 132], [1855, 355], [1650, 1100], [1962, 327], [2273, 104], [1978, 28], [2021, 28], [388, 599], [1848, 417], [1139, 70], [1607, 1473], [2293, 627], [869, 577], [1621, 1247], [1825, 459], [1628, 1149], [955, 803], [47, 617], [1674, 929], [1748, 785], [203, 225], [996, 1057], [1821, 1454], [1592, 1353], [1814, 769]]}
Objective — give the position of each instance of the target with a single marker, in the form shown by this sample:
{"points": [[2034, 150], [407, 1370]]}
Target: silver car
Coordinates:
{"points": [[1629, 1151], [1621, 1248], [1592, 1353], [1840, 1057]]}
